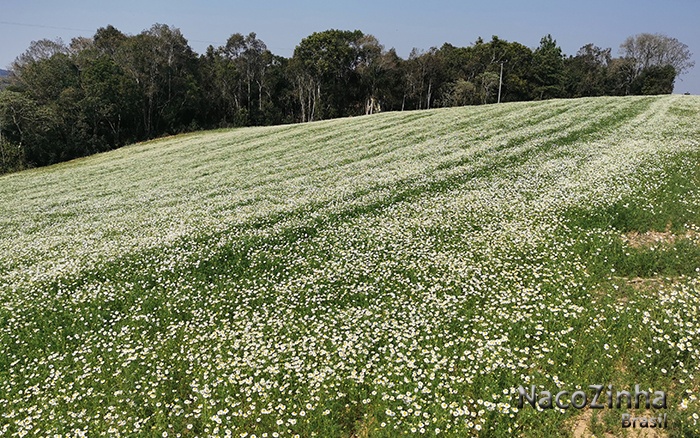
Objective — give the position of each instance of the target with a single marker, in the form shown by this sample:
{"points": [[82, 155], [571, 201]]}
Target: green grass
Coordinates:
{"points": [[666, 206], [398, 274]]}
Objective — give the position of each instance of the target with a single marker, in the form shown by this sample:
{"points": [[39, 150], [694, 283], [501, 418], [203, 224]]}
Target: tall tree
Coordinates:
{"points": [[221, 84], [43, 104], [517, 60], [324, 67], [107, 40], [620, 75], [31, 127], [372, 68], [163, 65], [654, 80], [423, 77], [657, 50], [37, 51], [548, 69], [254, 62], [585, 73]]}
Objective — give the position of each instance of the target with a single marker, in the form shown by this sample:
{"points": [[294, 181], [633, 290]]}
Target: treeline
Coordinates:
{"points": [[96, 94]]}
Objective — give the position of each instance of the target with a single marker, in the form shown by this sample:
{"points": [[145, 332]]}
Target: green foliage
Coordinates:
{"points": [[327, 68], [585, 73], [655, 80], [99, 93], [548, 69], [11, 157]]}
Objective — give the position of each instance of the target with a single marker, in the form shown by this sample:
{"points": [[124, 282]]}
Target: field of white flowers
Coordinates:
{"points": [[391, 275]]}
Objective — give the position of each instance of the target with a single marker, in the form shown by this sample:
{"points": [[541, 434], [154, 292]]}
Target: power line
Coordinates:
{"points": [[12, 23]]}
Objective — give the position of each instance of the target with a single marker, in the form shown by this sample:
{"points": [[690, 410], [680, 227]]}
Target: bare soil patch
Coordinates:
{"points": [[582, 428], [652, 238]]}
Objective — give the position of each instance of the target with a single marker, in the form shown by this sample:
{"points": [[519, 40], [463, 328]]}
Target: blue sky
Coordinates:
{"points": [[399, 24]]}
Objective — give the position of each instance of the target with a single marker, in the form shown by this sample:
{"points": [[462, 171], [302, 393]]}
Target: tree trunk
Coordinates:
{"points": [[302, 102], [430, 90]]}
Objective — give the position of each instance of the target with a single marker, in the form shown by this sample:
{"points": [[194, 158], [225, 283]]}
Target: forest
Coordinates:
{"points": [[63, 101]]}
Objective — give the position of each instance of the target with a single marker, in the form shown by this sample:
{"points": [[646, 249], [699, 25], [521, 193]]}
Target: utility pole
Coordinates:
{"points": [[2, 149], [500, 83]]}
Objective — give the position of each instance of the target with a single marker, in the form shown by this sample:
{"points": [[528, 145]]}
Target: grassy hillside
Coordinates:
{"points": [[402, 273]]}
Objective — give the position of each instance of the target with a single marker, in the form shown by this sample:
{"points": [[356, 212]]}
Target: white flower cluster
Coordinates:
{"points": [[399, 273]]}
